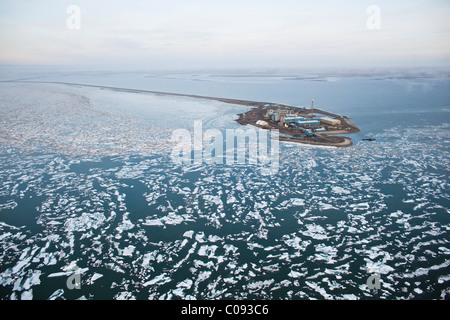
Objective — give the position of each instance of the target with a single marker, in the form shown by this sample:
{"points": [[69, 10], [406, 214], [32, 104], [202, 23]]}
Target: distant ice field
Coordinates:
{"points": [[78, 120]]}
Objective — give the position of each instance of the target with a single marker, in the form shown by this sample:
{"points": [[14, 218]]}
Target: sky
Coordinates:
{"points": [[226, 34]]}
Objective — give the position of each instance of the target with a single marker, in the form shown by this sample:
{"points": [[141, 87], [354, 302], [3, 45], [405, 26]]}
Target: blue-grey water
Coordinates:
{"points": [[88, 185]]}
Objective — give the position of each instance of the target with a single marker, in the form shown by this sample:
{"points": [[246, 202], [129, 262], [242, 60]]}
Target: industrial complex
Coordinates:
{"points": [[303, 125]]}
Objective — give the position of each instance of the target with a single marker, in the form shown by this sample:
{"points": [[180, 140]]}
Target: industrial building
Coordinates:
{"points": [[293, 119], [307, 122], [330, 121], [262, 123], [275, 117]]}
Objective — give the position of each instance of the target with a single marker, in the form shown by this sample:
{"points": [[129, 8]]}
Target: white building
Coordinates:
{"points": [[330, 121]]}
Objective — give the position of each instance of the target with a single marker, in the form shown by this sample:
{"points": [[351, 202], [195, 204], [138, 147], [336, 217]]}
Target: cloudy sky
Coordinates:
{"points": [[232, 33]]}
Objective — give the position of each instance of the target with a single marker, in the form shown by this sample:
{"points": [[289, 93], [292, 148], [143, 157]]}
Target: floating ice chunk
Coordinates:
{"points": [[259, 285], [212, 289], [59, 274], [253, 245], [396, 214], [270, 248], [124, 296], [153, 222], [214, 199], [161, 279], [444, 278], [214, 238], [54, 223], [67, 273], [5, 225], [295, 274], [319, 289], [5, 235], [72, 265], [272, 268], [128, 251], [151, 256], [360, 206], [27, 295], [120, 197], [253, 215], [325, 206], [297, 243], [297, 202], [418, 290], [55, 295], [22, 263], [340, 190], [17, 285], [133, 172], [230, 247], [352, 230], [315, 231], [411, 162], [202, 277], [33, 280], [188, 234], [173, 219], [114, 267], [378, 267], [365, 178], [240, 187], [96, 276], [10, 205], [424, 271], [309, 164], [326, 253], [261, 204], [186, 284], [231, 199], [199, 237], [126, 223], [85, 222], [230, 280], [183, 243], [207, 251], [326, 249], [179, 292]]}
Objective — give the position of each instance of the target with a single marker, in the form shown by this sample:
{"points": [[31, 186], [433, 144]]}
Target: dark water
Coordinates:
{"points": [[146, 228]]}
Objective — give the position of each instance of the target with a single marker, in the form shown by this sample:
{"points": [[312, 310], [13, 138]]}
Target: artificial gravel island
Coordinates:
{"points": [[302, 125]]}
